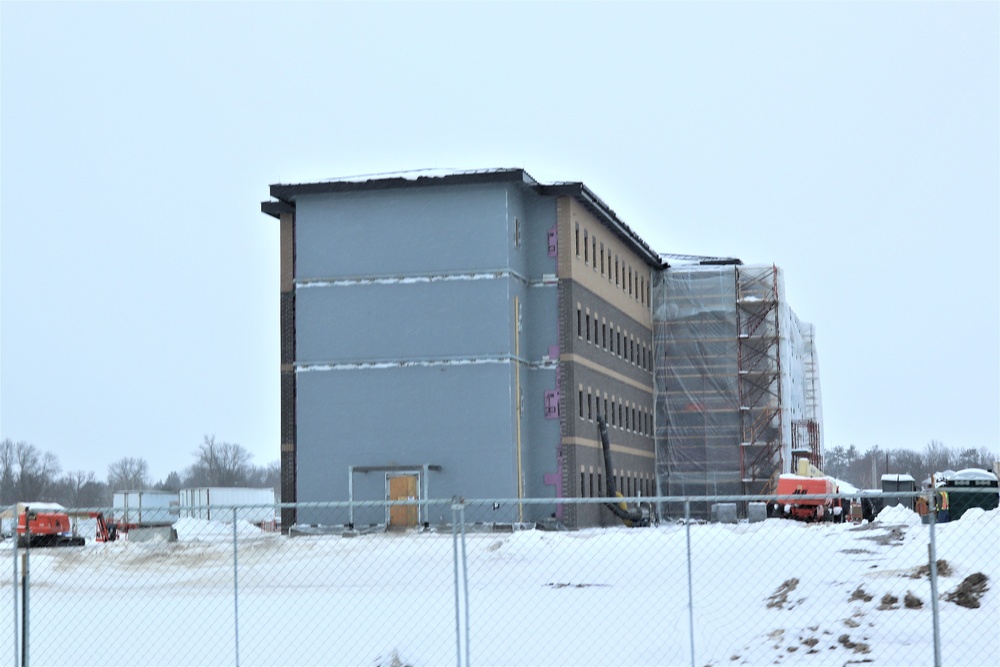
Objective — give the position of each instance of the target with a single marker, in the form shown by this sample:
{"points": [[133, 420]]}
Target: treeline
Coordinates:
{"points": [[865, 470], [29, 474]]}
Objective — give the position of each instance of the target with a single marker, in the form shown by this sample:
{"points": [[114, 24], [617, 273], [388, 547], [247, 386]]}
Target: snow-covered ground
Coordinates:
{"points": [[771, 593]]}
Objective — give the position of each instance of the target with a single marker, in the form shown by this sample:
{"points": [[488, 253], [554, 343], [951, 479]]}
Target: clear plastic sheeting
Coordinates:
{"points": [[737, 381]]}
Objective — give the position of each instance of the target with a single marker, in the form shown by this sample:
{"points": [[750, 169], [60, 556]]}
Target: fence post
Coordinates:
{"points": [[932, 554], [236, 590], [465, 587], [454, 552], [687, 527], [25, 593], [16, 628]]}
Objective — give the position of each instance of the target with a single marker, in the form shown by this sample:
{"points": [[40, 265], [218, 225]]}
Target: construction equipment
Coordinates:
{"points": [[45, 525], [635, 516], [107, 531], [793, 491]]}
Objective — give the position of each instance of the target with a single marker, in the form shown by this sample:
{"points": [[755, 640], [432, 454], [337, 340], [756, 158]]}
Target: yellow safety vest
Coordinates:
{"points": [[944, 500]]}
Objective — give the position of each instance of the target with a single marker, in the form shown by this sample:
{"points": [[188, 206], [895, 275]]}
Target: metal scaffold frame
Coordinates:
{"points": [[759, 369]]}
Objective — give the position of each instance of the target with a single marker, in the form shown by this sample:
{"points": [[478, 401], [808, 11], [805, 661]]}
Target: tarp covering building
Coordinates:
{"points": [[736, 380]]}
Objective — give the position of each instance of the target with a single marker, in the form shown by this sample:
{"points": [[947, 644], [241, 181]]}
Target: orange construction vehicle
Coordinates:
{"points": [[45, 525], [810, 481], [107, 531]]}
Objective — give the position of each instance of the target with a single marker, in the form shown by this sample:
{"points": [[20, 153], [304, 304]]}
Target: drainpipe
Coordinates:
{"points": [[517, 408]]}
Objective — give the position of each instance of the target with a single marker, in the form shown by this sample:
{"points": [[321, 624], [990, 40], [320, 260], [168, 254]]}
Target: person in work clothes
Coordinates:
{"points": [[942, 515]]}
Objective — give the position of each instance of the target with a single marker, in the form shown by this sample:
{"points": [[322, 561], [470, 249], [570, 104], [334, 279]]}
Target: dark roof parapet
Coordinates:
{"points": [[286, 193]]}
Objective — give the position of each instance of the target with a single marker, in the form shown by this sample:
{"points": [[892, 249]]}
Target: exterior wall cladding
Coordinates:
{"points": [[466, 330]]}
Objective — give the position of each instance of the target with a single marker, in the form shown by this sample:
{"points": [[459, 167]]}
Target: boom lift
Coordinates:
{"points": [[636, 516]]}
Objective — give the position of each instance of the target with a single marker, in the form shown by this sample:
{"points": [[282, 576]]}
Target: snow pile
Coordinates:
{"points": [[203, 530], [897, 514]]}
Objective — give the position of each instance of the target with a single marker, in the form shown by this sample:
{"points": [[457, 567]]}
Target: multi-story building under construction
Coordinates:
{"points": [[458, 334]]}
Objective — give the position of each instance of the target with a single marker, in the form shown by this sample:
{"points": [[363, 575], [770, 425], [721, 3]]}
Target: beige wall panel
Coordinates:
{"points": [[287, 234], [590, 277], [564, 257]]}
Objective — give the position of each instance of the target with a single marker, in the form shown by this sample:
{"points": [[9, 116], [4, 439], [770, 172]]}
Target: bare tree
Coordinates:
{"points": [[36, 471], [128, 474], [220, 464], [8, 473], [937, 457]]}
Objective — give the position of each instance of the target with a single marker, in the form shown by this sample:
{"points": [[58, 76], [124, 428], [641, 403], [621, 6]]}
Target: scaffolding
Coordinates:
{"points": [[758, 329], [737, 381]]}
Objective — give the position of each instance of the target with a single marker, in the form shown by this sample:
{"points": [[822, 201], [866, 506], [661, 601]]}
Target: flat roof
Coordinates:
{"points": [[285, 194]]}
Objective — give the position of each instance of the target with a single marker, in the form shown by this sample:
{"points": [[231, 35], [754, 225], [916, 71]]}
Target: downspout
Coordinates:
{"points": [[517, 408]]}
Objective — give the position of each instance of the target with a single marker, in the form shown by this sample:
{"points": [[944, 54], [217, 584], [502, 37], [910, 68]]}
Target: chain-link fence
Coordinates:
{"points": [[460, 587]]}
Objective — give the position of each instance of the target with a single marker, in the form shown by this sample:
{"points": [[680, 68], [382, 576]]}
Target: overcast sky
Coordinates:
{"points": [[853, 144]]}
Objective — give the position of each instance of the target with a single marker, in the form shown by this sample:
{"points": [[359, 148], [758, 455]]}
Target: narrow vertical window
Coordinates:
{"points": [[586, 245], [590, 405], [602, 259], [616, 270], [579, 322], [580, 403], [517, 232], [583, 488], [605, 406], [588, 327], [577, 240], [593, 241], [592, 484], [604, 335]]}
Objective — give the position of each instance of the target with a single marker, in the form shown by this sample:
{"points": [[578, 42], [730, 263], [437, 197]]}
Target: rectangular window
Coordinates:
{"points": [[602, 259], [620, 422], [630, 280], [517, 232], [600, 485], [586, 246], [579, 322], [591, 485], [616, 270], [583, 488], [604, 335], [578, 241], [580, 403], [614, 421], [593, 241], [590, 406], [619, 343], [605, 407], [588, 327], [609, 267]]}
